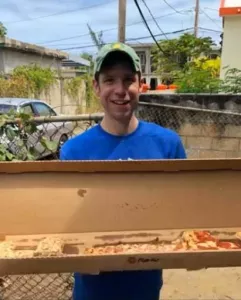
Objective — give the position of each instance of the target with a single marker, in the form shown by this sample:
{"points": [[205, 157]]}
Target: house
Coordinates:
{"points": [[230, 11], [144, 52], [73, 62], [15, 53]]}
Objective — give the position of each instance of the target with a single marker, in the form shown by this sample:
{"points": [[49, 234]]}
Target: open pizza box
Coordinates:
{"points": [[86, 205]]}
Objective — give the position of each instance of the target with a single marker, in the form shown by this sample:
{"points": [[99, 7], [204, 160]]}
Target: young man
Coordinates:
{"points": [[120, 136]]}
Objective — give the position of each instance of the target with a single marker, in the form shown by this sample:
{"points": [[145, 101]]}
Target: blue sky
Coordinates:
{"points": [[61, 24]]}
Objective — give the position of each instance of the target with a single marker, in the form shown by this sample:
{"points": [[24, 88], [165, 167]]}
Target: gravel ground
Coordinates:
{"points": [[203, 284]]}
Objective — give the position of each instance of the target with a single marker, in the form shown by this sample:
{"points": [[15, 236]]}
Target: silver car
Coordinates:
{"points": [[58, 132]]}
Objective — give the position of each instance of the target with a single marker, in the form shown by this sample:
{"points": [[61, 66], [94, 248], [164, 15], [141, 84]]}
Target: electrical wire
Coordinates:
{"points": [[60, 13], [153, 18], [131, 39], [210, 8], [134, 39], [209, 29], [105, 30], [173, 8], [211, 19], [147, 26]]}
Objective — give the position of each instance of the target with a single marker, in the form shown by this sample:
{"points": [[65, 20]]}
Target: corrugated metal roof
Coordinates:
{"points": [[76, 61]]}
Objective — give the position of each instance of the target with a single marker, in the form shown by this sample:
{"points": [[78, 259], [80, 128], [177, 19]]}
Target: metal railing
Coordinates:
{"points": [[205, 133]]}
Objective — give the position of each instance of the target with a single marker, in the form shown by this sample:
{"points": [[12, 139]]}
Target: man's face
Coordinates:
{"points": [[118, 88]]}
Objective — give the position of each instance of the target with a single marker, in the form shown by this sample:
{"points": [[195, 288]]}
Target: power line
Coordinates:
{"points": [[210, 8], [153, 18], [132, 39], [209, 29], [173, 8], [106, 30], [147, 26], [211, 19], [145, 37], [61, 13]]}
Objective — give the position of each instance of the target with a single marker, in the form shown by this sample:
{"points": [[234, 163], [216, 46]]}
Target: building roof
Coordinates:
{"points": [[143, 45], [31, 48], [230, 7], [75, 61]]}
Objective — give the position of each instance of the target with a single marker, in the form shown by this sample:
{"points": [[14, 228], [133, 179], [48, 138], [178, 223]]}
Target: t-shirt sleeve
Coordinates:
{"points": [[65, 153], [180, 152]]}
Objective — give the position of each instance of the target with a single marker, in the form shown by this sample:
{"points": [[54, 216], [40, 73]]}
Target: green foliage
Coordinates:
{"points": [[232, 81], [196, 80], [3, 30], [179, 52], [38, 78], [88, 57], [15, 86], [73, 87], [199, 79], [15, 130], [92, 101]]}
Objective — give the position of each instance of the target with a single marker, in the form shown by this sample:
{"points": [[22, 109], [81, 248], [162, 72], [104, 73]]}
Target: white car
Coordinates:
{"points": [[58, 132]]}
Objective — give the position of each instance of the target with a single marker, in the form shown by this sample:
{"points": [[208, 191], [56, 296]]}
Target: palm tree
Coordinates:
{"points": [[96, 38], [3, 30]]}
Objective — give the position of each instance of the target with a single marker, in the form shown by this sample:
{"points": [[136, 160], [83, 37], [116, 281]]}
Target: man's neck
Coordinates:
{"points": [[117, 127]]}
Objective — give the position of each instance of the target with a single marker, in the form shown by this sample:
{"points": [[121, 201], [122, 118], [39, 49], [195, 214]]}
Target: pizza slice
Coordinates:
{"points": [[50, 246]]}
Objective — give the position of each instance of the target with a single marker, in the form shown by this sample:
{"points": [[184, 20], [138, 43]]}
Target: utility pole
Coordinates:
{"points": [[122, 21], [196, 21]]}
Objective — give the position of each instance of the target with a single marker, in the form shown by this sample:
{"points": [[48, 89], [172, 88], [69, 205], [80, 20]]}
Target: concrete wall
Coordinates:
{"points": [[13, 58], [61, 101], [204, 141], [231, 43], [210, 125]]}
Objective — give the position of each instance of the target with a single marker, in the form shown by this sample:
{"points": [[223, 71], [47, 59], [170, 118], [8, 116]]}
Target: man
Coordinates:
{"points": [[120, 135]]}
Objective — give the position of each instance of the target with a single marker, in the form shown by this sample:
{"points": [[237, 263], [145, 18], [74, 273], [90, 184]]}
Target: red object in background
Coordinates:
{"points": [[144, 88], [172, 87], [161, 87]]}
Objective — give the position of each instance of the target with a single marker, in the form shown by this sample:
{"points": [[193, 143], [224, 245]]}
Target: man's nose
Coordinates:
{"points": [[120, 89]]}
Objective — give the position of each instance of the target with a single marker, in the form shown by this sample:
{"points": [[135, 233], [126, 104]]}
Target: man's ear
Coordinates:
{"points": [[96, 87]]}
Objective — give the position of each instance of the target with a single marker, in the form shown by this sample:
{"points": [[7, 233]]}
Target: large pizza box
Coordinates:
{"points": [[86, 205]]}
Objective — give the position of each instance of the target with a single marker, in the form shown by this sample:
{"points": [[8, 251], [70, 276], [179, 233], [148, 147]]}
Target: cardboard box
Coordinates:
{"points": [[91, 203]]}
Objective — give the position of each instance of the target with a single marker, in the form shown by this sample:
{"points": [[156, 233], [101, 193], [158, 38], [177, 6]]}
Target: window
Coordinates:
{"points": [[142, 56], [43, 110], [6, 108], [27, 109]]}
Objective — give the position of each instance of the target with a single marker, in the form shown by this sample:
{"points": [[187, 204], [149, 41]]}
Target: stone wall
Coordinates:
{"points": [[60, 101], [204, 141], [210, 125]]}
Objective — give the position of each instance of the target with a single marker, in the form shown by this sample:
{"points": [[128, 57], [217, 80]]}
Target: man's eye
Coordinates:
{"points": [[129, 79], [109, 80]]}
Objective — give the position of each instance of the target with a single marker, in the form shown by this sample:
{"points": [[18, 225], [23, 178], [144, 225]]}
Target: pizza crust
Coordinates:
{"points": [[50, 246]]}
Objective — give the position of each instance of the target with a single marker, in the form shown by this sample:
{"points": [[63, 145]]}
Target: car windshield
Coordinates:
{"points": [[5, 108]]}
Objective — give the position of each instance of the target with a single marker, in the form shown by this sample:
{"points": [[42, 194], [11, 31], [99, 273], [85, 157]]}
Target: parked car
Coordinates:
{"points": [[58, 132]]}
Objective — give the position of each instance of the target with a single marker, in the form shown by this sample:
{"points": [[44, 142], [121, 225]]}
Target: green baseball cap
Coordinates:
{"points": [[109, 48]]}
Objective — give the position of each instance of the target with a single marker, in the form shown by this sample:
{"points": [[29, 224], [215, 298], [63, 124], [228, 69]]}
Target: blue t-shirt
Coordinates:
{"points": [[148, 141]]}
